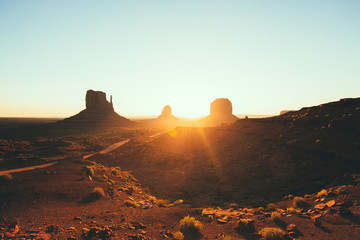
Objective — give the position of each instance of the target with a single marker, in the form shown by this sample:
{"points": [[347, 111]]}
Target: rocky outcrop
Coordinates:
{"points": [[220, 106], [96, 101], [166, 115], [98, 113], [220, 112]]}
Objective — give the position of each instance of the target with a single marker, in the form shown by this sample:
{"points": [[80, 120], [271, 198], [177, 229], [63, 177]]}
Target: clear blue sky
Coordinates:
{"points": [[265, 56]]}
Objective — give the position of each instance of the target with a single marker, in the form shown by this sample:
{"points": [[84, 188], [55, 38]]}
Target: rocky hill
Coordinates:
{"points": [[252, 161]]}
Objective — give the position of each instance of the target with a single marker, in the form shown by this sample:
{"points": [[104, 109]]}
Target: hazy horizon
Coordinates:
{"points": [[265, 56]]}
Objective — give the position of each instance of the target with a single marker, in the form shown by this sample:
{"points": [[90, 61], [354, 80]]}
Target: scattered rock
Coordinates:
{"points": [[330, 203], [178, 202], [52, 229], [316, 220], [320, 206], [137, 225]]}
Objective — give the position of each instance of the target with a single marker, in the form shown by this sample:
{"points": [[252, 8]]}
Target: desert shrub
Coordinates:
{"points": [[299, 202], [189, 226], [162, 203], [288, 197], [6, 177], [271, 206], [152, 199], [293, 210], [233, 206], [90, 171], [270, 233], [178, 236], [276, 216], [245, 225], [98, 192], [341, 189], [115, 171], [130, 203], [322, 193]]}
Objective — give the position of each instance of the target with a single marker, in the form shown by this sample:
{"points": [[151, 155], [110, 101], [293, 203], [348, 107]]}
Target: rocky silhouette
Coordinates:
{"points": [[220, 112], [98, 112], [166, 115], [96, 101]]}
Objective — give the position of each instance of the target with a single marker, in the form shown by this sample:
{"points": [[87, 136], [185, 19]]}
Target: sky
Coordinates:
{"points": [[265, 56]]}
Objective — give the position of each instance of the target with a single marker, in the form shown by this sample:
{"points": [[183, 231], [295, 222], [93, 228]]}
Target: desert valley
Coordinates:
{"points": [[98, 175]]}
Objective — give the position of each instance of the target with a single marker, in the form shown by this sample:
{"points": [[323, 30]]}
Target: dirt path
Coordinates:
{"points": [[26, 168], [110, 148]]}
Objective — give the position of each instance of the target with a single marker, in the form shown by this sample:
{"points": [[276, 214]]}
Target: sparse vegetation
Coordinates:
{"points": [[189, 226], [6, 177], [245, 225], [90, 171], [270, 233], [178, 236], [98, 192], [130, 203], [341, 189], [162, 203], [292, 210], [299, 202], [276, 217], [322, 193], [271, 206]]}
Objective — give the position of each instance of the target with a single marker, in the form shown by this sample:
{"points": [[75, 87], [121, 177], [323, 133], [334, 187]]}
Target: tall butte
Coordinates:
{"points": [[98, 112], [220, 112], [166, 115]]}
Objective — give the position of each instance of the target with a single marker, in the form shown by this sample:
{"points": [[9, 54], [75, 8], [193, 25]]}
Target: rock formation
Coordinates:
{"points": [[98, 113], [220, 106], [166, 115], [220, 112], [96, 101]]}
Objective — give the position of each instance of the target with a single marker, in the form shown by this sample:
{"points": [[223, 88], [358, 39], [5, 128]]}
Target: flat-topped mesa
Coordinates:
{"points": [[221, 106], [220, 112], [96, 101]]}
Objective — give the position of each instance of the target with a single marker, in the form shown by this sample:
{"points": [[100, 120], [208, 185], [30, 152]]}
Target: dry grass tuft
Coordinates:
{"points": [[90, 170], [98, 192], [130, 203], [162, 203], [189, 226], [276, 217], [6, 177], [292, 210], [322, 193], [271, 206], [299, 202], [245, 225], [270, 233], [178, 236]]}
